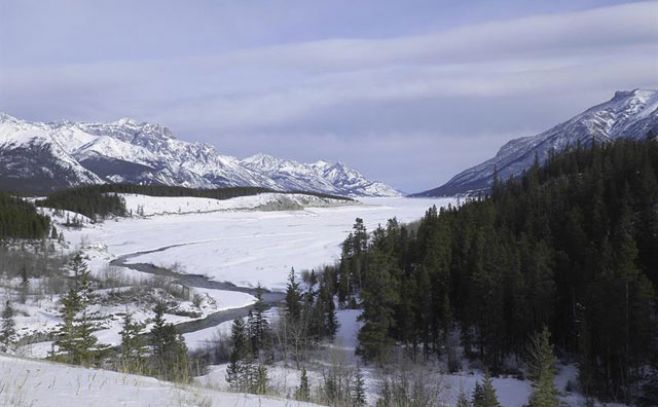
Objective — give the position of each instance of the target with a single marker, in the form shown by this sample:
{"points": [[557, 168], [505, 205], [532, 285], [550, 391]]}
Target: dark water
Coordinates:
{"points": [[272, 298]]}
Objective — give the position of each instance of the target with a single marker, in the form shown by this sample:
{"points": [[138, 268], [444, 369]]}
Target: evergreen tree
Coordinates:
{"points": [[303, 392], [20, 219], [541, 361], [478, 395], [293, 298], [86, 341], [259, 329], [485, 395], [169, 353], [359, 392], [236, 369], [80, 272], [462, 401], [7, 331], [25, 284], [379, 300], [571, 245], [133, 346], [75, 337]]}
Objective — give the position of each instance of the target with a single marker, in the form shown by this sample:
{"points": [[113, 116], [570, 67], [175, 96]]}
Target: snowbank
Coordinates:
{"points": [[41, 384]]}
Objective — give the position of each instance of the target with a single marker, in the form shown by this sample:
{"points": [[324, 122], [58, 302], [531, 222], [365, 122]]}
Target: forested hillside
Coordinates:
{"points": [[100, 201], [572, 246], [19, 219]]}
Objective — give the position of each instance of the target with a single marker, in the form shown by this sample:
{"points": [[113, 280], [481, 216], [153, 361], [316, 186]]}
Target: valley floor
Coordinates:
{"points": [[237, 243]]}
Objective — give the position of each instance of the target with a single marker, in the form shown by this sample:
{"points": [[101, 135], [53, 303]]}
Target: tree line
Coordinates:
{"points": [[91, 202], [101, 201], [571, 245], [20, 220]]}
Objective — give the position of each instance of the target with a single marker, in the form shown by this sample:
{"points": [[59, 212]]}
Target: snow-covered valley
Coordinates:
{"points": [[243, 241], [241, 246]]}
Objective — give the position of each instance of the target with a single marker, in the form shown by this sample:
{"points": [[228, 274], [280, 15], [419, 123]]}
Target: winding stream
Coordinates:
{"points": [[272, 298]]}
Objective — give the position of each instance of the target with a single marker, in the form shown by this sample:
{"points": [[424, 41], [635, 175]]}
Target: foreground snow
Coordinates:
{"points": [[41, 384]]}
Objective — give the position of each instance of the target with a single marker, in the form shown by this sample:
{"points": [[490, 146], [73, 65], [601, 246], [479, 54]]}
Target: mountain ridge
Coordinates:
{"points": [[44, 156], [627, 114]]}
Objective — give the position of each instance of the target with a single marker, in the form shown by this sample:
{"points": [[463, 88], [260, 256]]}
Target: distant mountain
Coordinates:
{"points": [[41, 157], [317, 176], [627, 114]]}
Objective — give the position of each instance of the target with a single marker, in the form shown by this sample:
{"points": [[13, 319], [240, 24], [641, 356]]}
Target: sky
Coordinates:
{"points": [[408, 92]]}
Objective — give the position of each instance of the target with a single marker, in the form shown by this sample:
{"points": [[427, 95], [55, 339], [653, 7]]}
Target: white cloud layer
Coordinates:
{"points": [[409, 110]]}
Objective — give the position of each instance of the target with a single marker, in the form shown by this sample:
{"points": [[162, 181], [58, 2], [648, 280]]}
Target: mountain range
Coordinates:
{"points": [[41, 157], [628, 114]]}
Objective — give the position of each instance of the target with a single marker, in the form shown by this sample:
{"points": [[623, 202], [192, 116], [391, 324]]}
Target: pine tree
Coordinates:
{"points": [[80, 273], [303, 392], [236, 369], [478, 395], [359, 393], [379, 300], [85, 341], [75, 339], [169, 358], [133, 347], [260, 380], [260, 330], [541, 363], [7, 331], [25, 284], [385, 395], [462, 401], [484, 395], [293, 299]]}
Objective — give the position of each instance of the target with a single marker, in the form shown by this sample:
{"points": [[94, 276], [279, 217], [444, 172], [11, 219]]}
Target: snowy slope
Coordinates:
{"points": [[320, 176], [144, 205], [42, 384], [628, 114], [30, 155], [46, 156]]}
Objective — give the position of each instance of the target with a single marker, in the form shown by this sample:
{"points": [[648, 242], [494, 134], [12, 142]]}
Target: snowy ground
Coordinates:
{"points": [[241, 241], [144, 205], [40, 384], [247, 247]]}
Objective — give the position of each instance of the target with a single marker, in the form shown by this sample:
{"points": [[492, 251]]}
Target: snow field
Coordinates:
{"points": [[247, 247], [43, 384], [144, 205]]}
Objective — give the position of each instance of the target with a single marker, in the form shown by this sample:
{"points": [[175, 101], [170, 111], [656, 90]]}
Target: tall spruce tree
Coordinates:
{"points": [[133, 346], [541, 363], [303, 392], [169, 354], [484, 395], [240, 351], [379, 300], [8, 329], [359, 392], [75, 338]]}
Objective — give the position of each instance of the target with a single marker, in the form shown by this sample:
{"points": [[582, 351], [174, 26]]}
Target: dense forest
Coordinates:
{"points": [[101, 201], [19, 219], [571, 246]]}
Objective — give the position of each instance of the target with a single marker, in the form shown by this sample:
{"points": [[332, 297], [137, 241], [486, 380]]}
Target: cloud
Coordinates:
{"points": [[432, 104]]}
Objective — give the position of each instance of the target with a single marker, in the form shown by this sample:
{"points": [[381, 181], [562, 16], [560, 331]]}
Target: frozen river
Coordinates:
{"points": [[248, 247]]}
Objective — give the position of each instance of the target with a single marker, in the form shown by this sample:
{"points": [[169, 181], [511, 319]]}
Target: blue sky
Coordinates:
{"points": [[408, 92]]}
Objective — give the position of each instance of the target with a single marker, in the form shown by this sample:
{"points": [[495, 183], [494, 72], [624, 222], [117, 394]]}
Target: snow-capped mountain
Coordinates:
{"points": [[39, 157], [628, 114], [317, 176]]}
